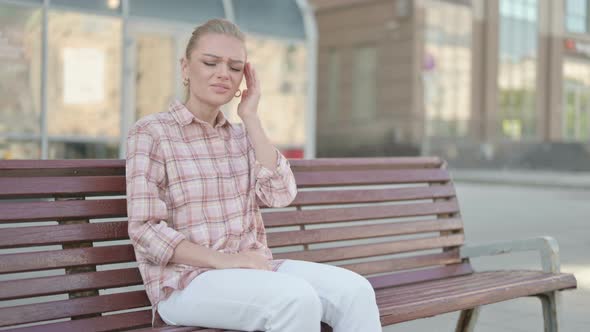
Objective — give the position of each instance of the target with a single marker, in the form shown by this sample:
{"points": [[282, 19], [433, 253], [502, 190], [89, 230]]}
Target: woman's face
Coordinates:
{"points": [[215, 68]]}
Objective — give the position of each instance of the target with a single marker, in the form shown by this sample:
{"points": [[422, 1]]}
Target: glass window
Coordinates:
{"points": [[71, 149], [576, 101], [576, 16], [189, 11], [83, 72], [364, 83], [20, 81], [525, 10], [446, 68], [517, 69], [334, 84], [19, 148], [112, 7]]}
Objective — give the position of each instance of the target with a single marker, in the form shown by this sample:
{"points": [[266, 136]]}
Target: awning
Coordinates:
{"points": [[279, 18]]}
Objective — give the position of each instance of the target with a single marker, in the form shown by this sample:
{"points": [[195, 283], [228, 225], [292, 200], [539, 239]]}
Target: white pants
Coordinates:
{"points": [[295, 298]]}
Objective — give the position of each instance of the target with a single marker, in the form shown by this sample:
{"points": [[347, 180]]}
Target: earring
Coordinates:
{"points": [[186, 81], [238, 94]]}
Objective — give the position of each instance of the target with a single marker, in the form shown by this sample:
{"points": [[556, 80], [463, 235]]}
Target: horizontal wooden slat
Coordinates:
{"points": [[21, 288], [181, 329], [136, 321], [331, 215], [365, 163], [67, 167], [54, 259], [62, 210], [112, 208], [370, 177], [401, 295], [61, 186], [288, 238], [117, 322], [37, 235], [374, 249], [74, 164], [371, 195], [30, 313], [404, 263], [504, 285], [81, 164], [454, 286], [411, 277]]}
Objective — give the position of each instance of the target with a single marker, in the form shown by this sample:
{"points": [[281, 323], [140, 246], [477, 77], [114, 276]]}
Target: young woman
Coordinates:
{"points": [[194, 181]]}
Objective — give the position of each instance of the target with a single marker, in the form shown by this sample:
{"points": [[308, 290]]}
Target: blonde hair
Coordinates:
{"points": [[216, 25]]}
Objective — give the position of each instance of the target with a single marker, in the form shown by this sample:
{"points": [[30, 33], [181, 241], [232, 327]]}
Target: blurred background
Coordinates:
{"points": [[500, 83], [482, 83]]}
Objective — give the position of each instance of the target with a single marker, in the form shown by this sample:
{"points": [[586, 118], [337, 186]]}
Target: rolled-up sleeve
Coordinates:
{"points": [[274, 188], [147, 213]]}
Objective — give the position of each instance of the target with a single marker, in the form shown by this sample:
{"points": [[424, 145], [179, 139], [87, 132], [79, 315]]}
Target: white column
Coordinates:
{"points": [[44, 56], [311, 36], [228, 8], [127, 82], [550, 70]]}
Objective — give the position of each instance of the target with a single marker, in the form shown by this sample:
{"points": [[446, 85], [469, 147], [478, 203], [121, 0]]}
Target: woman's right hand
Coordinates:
{"points": [[246, 259]]}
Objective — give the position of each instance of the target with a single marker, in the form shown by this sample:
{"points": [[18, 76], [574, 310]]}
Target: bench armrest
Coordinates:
{"points": [[545, 245]]}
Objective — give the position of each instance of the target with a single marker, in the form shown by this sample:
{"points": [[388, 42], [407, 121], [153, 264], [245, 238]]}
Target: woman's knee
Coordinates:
{"points": [[299, 296], [360, 291]]}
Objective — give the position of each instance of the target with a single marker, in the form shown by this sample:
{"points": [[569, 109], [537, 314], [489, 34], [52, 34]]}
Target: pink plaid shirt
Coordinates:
{"points": [[188, 180]]}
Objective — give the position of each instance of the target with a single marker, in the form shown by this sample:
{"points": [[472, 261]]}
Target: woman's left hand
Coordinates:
{"points": [[248, 105]]}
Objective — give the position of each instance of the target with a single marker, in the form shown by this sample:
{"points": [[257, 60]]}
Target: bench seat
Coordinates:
{"points": [[430, 298], [396, 221]]}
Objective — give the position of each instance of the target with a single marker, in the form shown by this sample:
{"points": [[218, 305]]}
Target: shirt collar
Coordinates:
{"points": [[184, 117]]}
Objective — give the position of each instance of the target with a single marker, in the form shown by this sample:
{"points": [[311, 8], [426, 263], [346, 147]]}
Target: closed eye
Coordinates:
{"points": [[212, 64]]}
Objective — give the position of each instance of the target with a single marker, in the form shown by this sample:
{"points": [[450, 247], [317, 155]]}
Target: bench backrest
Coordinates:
{"points": [[64, 232]]}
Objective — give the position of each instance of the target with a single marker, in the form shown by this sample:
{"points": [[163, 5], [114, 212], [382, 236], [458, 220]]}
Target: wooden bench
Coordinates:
{"points": [[66, 261]]}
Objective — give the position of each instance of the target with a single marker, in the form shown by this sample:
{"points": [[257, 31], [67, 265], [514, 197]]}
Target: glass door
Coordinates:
{"points": [[154, 75]]}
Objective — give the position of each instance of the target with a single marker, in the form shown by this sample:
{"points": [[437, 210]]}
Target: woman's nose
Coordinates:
{"points": [[222, 71]]}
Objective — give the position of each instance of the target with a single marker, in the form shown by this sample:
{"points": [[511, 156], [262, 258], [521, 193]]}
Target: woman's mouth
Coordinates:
{"points": [[219, 88]]}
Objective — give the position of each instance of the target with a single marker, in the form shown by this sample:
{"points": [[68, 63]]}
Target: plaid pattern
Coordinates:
{"points": [[188, 180]]}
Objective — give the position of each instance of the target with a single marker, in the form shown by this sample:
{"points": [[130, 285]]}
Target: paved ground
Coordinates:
{"points": [[496, 212]]}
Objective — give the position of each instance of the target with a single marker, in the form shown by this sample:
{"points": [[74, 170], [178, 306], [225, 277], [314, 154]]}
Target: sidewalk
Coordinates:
{"points": [[566, 180]]}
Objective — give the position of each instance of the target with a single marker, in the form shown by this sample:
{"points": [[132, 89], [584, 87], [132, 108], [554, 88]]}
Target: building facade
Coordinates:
{"points": [[483, 83]]}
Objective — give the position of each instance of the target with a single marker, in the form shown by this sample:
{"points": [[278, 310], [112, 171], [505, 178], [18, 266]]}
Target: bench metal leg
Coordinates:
{"points": [[326, 327], [467, 320], [550, 310]]}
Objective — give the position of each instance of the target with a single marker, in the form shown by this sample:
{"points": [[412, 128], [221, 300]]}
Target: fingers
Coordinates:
{"points": [[255, 76], [255, 82], [251, 77], [247, 75]]}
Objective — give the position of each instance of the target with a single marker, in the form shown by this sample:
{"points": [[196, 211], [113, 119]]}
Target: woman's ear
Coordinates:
{"points": [[184, 67]]}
